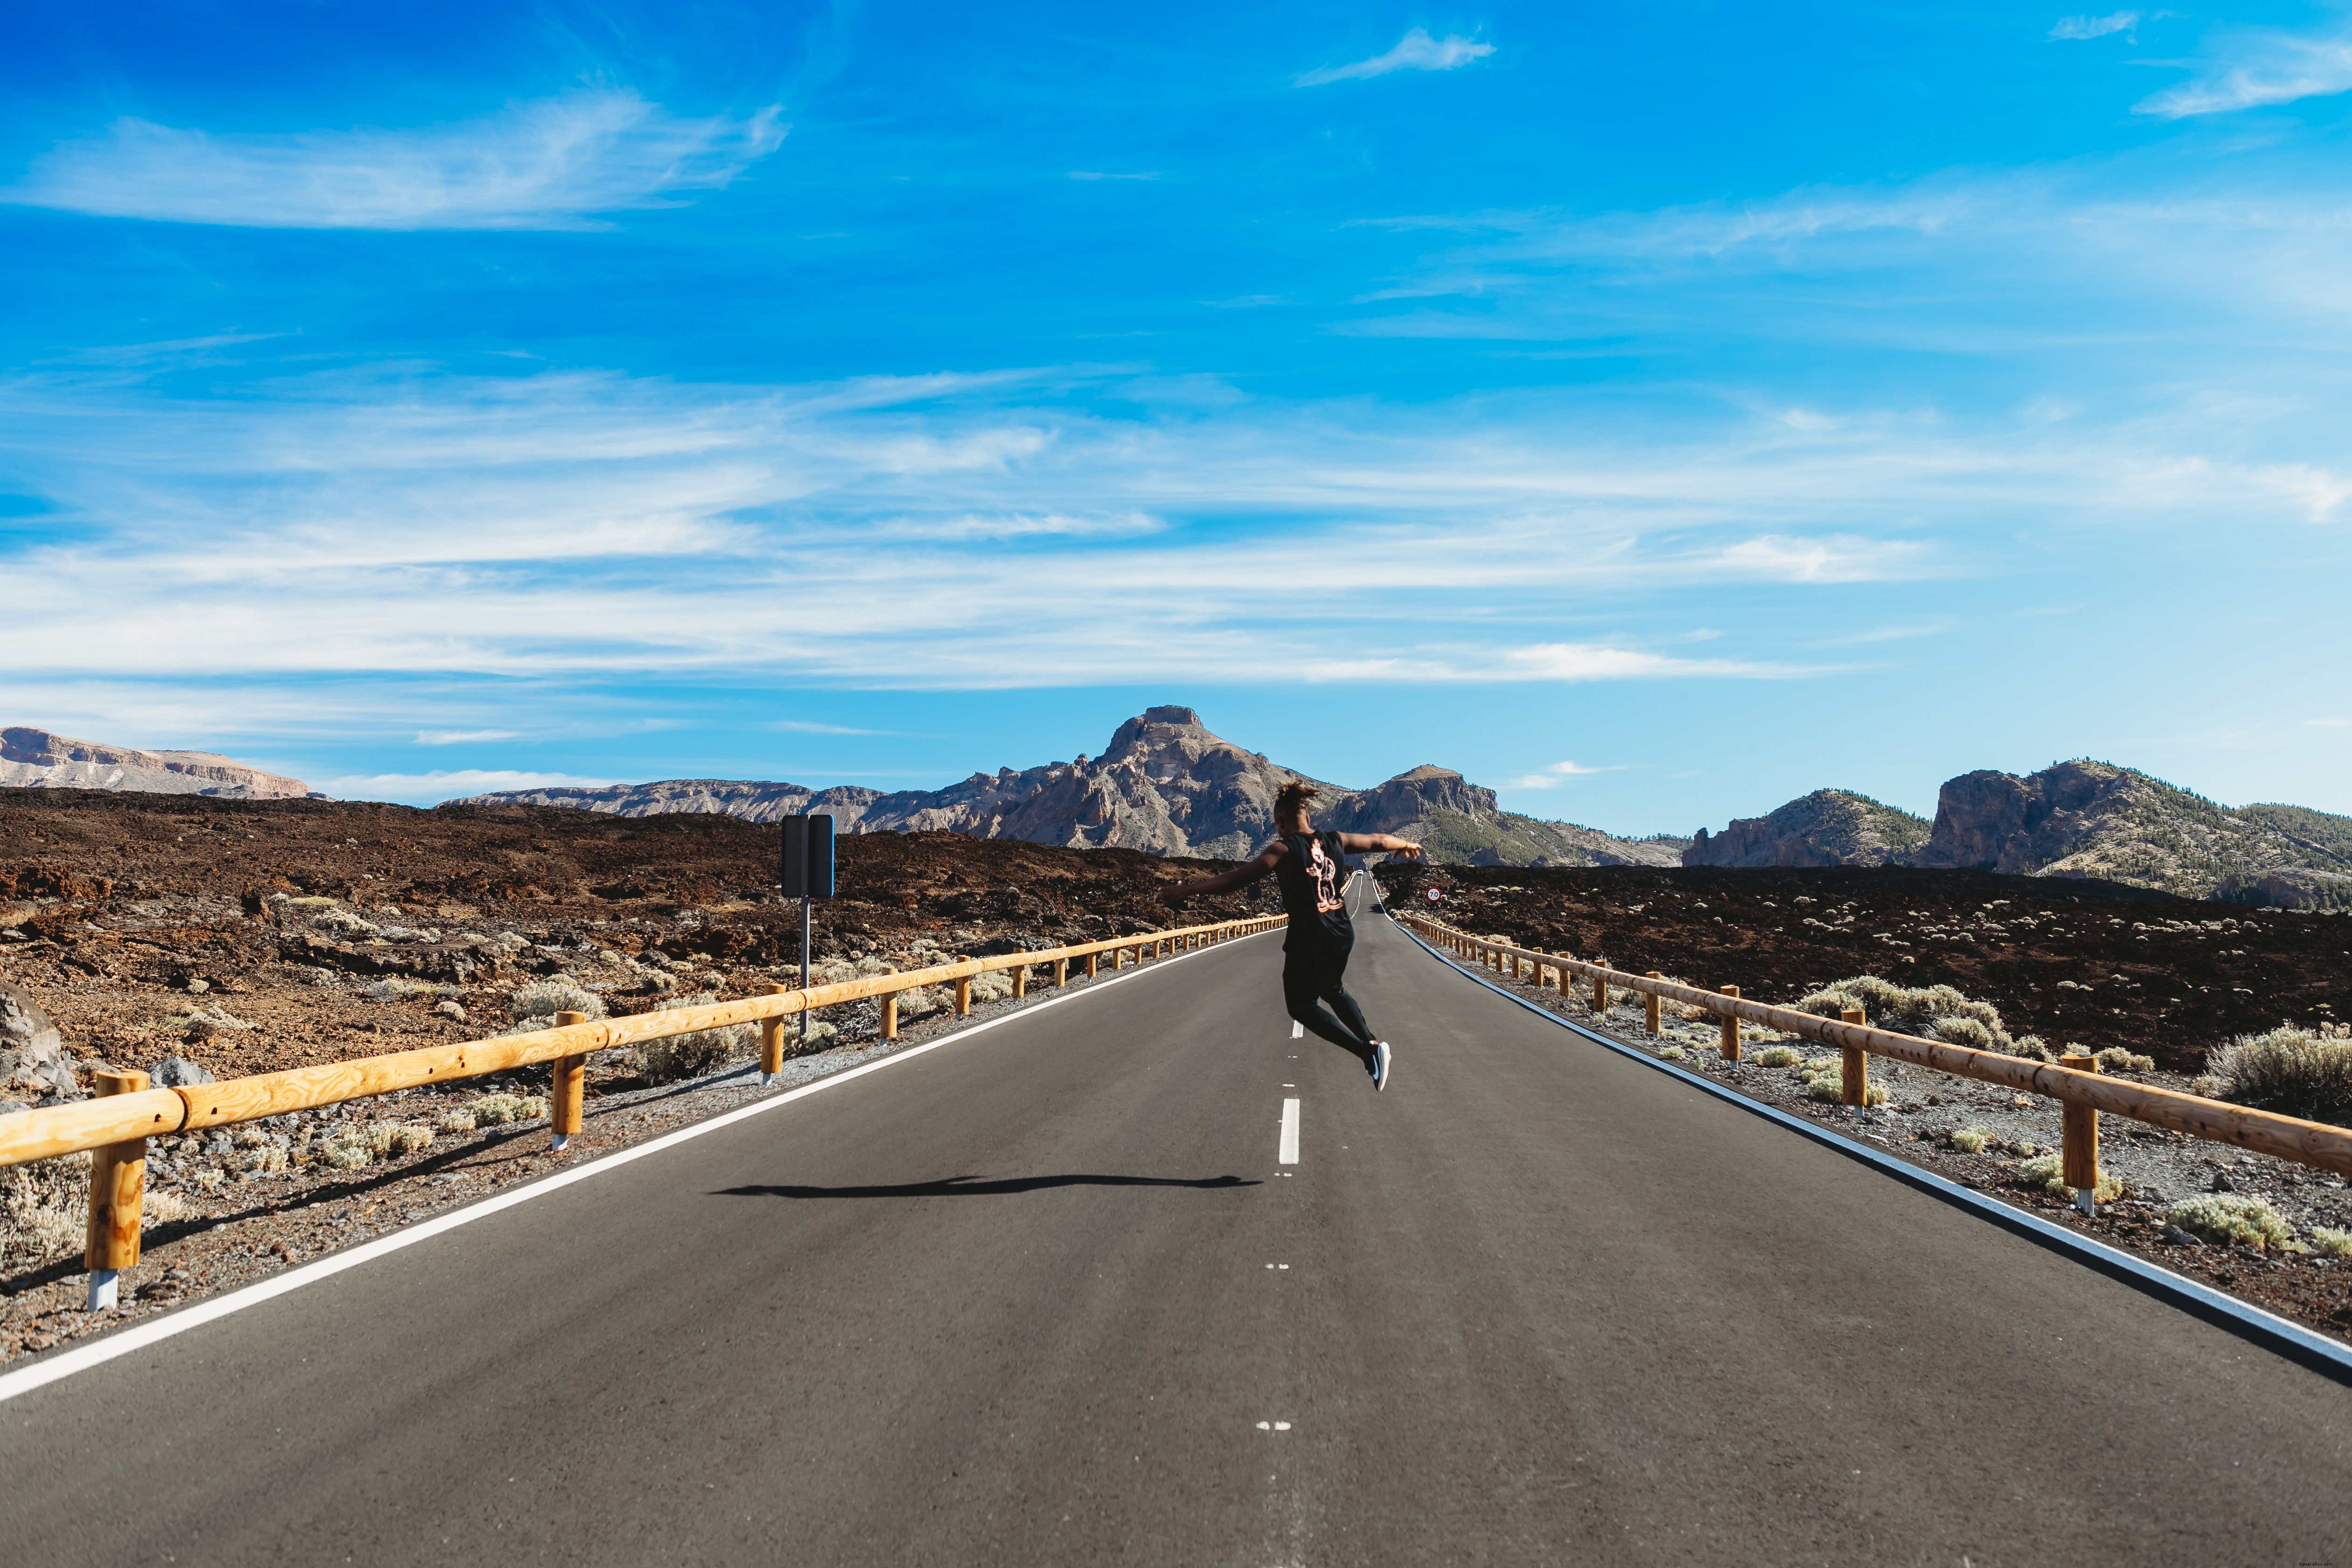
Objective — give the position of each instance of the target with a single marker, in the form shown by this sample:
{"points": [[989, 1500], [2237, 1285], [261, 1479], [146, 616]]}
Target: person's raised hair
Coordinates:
{"points": [[1295, 796]]}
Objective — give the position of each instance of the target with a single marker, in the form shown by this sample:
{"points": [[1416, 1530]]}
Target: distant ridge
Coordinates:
{"points": [[2078, 818], [36, 758], [1165, 785]]}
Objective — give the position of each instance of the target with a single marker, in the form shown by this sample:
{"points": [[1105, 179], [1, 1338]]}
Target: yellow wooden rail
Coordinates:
{"points": [[152, 1113], [116, 1124], [2076, 1083]]}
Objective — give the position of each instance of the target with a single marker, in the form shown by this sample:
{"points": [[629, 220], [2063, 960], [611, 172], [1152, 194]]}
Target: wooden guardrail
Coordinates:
{"points": [[2076, 1081], [115, 1126]]}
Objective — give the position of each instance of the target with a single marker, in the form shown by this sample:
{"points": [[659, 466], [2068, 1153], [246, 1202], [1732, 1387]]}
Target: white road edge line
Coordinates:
{"points": [[140, 1336], [1288, 1153]]}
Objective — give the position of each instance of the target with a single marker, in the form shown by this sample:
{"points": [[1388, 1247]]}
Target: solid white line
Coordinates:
{"points": [[1298, 1029], [1288, 1153], [141, 1335]]}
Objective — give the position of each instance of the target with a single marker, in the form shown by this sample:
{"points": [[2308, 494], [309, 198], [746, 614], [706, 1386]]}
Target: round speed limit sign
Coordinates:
{"points": [[1433, 895]]}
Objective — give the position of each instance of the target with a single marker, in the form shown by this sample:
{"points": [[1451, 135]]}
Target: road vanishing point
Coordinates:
{"points": [[1049, 1293]]}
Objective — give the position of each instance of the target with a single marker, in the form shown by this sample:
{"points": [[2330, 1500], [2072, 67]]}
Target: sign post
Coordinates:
{"points": [[807, 875]]}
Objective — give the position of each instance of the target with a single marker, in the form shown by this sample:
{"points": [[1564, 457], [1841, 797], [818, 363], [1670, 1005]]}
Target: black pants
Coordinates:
{"points": [[1311, 976]]}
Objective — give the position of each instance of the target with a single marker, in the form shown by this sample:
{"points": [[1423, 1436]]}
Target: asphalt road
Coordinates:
{"points": [[1047, 1297]]}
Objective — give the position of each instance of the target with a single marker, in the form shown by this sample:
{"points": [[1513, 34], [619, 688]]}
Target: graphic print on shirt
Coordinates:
{"points": [[1327, 877]]}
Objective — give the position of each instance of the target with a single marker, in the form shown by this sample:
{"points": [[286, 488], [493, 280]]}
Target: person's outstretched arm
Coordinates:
{"points": [[1225, 881], [1357, 843]]}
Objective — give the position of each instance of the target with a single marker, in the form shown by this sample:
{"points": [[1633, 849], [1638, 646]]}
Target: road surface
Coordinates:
{"points": [[1047, 1296]]}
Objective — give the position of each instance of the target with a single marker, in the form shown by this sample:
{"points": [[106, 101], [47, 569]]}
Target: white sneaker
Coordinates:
{"points": [[1381, 1055]]}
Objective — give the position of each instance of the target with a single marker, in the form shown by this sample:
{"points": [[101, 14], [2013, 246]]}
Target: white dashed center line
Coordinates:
{"points": [[1288, 1153], [1297, 1030]]}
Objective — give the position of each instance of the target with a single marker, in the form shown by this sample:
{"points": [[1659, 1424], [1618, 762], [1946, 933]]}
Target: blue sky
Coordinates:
{"points": [[1655, 411]]}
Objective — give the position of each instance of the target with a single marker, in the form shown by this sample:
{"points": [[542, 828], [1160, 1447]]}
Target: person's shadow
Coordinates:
{"points": [[972, 1186]]}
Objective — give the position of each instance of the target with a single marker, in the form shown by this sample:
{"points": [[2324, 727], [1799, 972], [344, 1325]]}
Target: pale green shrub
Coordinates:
{"points": [[493, 1110], [2048, 1172], [992, 985], [1778, 1057], [2226, 1218], [2329, 1242], [2115, 1058], [1672, 1053], [1933, 1012], [356, 1146], [1972, 1139]]}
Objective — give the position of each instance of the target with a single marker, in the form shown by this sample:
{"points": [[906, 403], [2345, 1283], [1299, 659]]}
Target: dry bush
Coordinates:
{"points": [[2329, 1242], [2296, 1072], [1778, 1057], [1972, 1139], [44, 1211], [1928, 1012], [534, 1007], [992, 985], [2115, 1058], [676, 1057]]}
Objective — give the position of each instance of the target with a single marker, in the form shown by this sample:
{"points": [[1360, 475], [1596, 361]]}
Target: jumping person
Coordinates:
{"points": [[1310, 867]]}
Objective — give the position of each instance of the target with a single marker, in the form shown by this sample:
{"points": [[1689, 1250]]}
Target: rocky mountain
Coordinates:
{"points": [[1459, 823], [750, 799], [1827, 828], [1165, 785], [35, 759], [2079, 818], [2084, 818]]}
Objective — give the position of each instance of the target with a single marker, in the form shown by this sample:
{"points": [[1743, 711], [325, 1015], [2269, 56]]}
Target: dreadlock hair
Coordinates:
{"points": [[1295, 796]]}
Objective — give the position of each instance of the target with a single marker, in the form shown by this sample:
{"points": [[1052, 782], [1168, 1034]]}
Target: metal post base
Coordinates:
{"points": [[2087, 1201], [560, 1142], [105, 1289]]}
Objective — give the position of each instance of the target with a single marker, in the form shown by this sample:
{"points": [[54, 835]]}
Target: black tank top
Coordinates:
{"points": [[1310, 877]]}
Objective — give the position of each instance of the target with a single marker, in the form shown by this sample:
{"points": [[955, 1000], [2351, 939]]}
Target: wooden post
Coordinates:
{"points": [[1600, 993], [2079, 1141], [1732, 1029], [771, 1042], [1019, 982], [1090, 964], [118, 1189], [1061, 972], [1653, 1006], [567, 1089], [1855, 1073], [963, 995], [1562, 956]]}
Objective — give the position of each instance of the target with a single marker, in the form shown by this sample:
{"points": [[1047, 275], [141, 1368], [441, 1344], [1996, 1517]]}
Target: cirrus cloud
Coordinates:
{"points": [[551, 164]]}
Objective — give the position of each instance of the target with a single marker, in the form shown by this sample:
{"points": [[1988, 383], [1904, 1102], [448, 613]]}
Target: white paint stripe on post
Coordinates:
{"points": [[1288, 1153]]}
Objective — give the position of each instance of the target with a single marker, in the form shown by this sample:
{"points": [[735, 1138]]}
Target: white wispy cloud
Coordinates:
{"points": [[2095, 26], [2251, 69], [460, 737], [2327, 723], [1101, 174], [1555, 776], [555, 162], [1415, 51], [810, 727]]}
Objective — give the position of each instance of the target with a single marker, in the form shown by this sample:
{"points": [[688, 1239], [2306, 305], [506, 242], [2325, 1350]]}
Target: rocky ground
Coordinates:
{"points": [[2074, 962], [246, 936], [1976, 1134]]}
